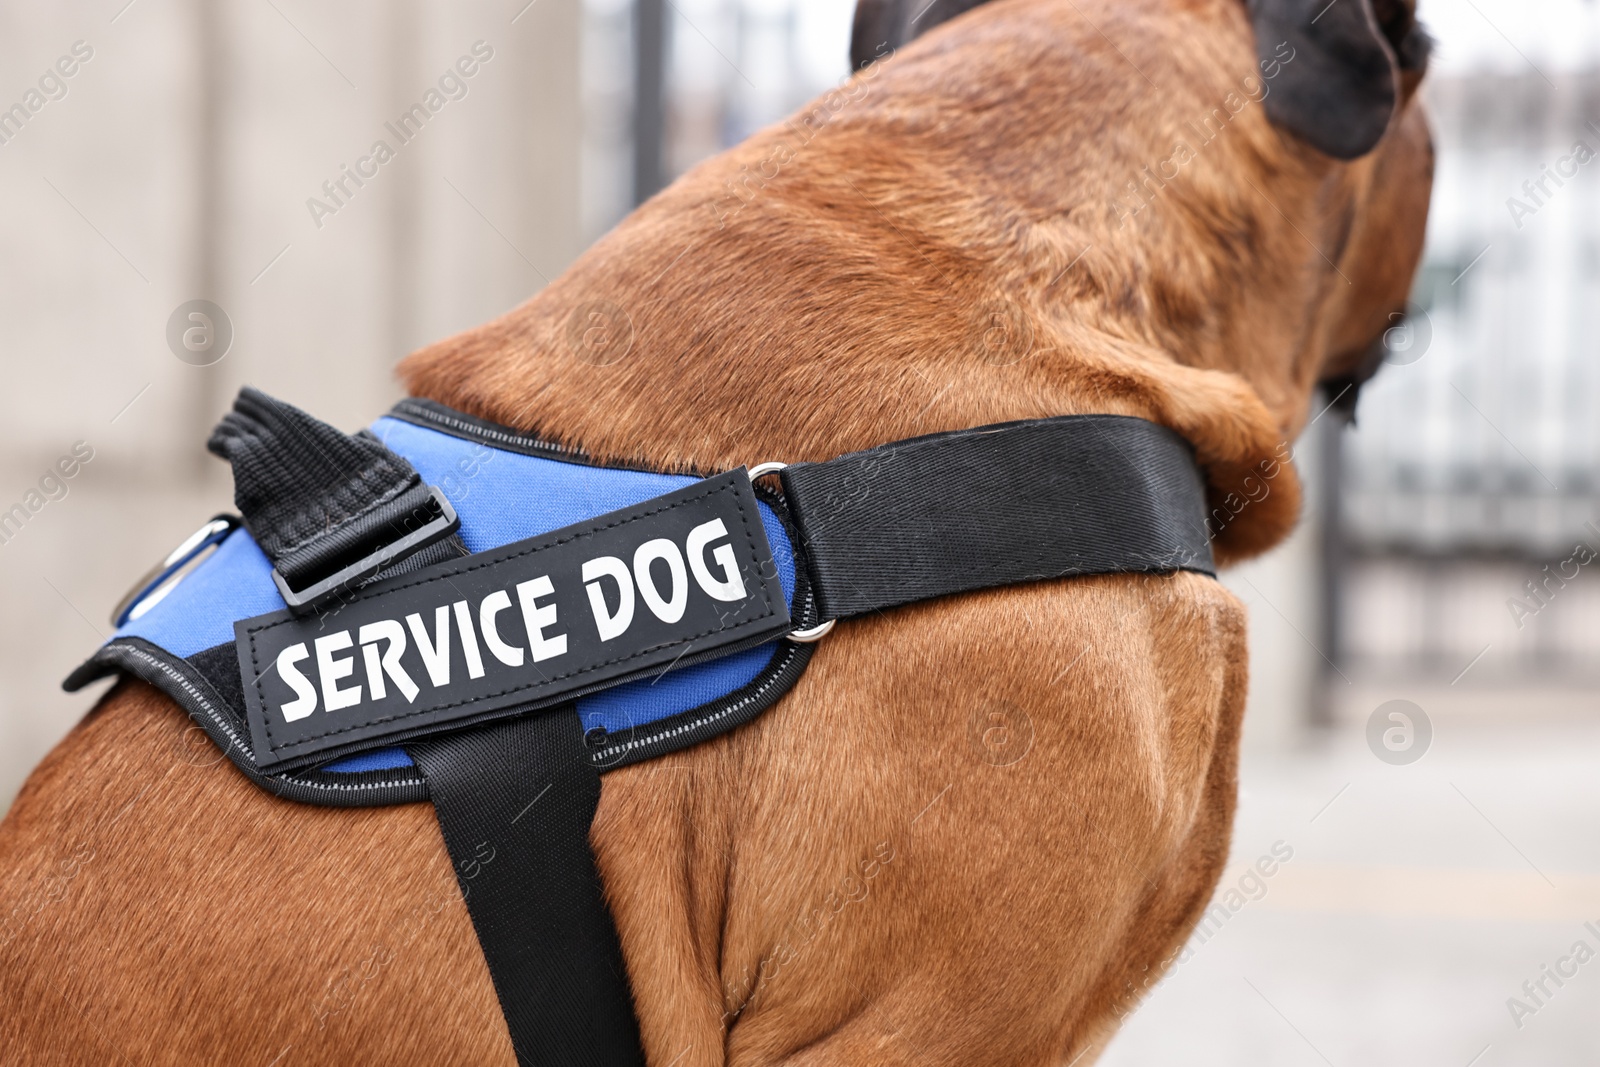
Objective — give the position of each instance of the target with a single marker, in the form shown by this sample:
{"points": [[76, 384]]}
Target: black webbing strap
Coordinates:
{"points": [[975, 509], [515, 800], [314, 498]]}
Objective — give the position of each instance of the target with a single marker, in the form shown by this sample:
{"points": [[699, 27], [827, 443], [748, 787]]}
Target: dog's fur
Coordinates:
{"points": [[978, 827]]}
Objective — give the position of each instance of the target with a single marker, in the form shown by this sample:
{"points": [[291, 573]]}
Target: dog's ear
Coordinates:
{"points": [[881, 26], [1337, 80]]}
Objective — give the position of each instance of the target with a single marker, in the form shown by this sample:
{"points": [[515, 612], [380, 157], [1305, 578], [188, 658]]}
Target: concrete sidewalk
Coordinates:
{"points": [[1418, 902]]}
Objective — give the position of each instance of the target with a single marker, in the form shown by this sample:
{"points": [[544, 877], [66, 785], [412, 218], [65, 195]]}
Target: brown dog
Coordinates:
{"points": [[978, 827]]}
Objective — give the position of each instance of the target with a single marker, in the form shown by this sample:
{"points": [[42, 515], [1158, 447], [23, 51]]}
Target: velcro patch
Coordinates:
{"points": [[665, 583]]}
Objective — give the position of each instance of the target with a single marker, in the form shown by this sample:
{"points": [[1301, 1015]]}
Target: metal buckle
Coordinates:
{"points": [[821, 630], [302, 601], [212, 533]]}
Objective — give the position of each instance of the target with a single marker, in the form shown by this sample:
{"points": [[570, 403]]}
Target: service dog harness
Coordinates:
{"points": [[444, 609]]}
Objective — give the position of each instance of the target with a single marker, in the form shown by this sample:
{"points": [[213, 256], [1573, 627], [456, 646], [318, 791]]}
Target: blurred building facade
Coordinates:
{"points": [[179, 161]]}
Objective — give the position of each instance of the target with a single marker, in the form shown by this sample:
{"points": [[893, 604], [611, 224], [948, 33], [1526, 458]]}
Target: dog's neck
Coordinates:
{"points": [[896, 261]]}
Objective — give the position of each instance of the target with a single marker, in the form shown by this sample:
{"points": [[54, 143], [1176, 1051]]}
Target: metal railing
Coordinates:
{"points": [[1476, 464], [669, 84], [1482, 439]]}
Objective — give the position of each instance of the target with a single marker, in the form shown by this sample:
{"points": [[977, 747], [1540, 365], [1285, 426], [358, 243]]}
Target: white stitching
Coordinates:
{"points": [[628, 746], [471, 428], [233, 738]]}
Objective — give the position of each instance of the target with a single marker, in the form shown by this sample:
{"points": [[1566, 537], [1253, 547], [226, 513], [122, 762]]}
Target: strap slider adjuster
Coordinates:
{"points": [[417, 529]]}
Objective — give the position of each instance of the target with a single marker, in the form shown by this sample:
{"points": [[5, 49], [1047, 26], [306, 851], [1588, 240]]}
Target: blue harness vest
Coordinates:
{"points": [[441, 608], [505, 488]]}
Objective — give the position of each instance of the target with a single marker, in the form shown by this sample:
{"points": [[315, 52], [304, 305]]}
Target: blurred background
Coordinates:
{"points": [[1423, 739]]}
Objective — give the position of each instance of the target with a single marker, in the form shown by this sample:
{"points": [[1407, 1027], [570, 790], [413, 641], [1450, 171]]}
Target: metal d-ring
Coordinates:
{"points": [[211, 534], [813, 635], [816, 633], [761, 470]]}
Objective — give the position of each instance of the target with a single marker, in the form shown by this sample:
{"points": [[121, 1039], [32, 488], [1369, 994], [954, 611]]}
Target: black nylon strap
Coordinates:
{"points": [[1018, 502], [515, 801], [314, 498]]}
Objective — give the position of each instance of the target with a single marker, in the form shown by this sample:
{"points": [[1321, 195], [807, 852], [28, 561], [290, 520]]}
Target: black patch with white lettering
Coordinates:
{"points": [[672, 581]]}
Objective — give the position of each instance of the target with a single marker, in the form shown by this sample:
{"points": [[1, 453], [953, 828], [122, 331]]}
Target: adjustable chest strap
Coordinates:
{"points": [[515, 798], [977, 509]]}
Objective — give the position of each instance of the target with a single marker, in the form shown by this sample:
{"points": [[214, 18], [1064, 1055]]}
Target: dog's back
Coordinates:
{"points": [[978, 828]]}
